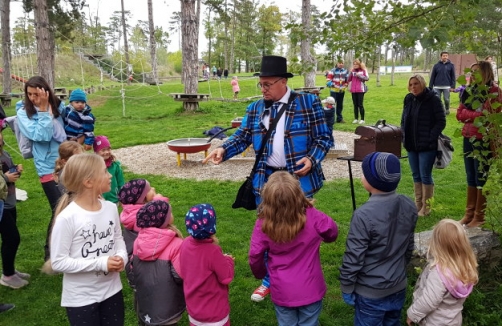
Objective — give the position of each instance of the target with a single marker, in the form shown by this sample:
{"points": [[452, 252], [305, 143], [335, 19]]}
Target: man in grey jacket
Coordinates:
{"points": [[443, 79], [379, 245]]}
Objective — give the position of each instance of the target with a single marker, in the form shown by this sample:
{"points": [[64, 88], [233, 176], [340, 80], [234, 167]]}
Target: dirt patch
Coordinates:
{"points": [[157, 159]]}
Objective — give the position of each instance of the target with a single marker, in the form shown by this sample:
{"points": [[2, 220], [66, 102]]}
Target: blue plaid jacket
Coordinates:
{"points": [[305, 135], [77, 123]]}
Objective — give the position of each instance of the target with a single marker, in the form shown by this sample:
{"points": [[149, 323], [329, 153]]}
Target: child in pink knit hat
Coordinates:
{"points": [[103, 148], [133, 195]]}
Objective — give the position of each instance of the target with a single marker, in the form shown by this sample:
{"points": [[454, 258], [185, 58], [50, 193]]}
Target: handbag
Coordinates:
{"points": [[246, 197], [444, 153], [365, 87]]}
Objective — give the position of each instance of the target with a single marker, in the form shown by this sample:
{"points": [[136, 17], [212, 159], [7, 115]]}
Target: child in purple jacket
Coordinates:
{"points": [[291, 230]]}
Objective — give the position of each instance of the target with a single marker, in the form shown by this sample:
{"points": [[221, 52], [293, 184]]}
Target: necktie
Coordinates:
{"points": [[273, 112]]}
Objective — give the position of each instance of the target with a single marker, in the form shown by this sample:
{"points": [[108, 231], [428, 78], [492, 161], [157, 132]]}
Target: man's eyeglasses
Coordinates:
{"points": [[267, 86]]}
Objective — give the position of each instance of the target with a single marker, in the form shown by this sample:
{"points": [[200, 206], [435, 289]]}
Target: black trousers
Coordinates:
{"points": [[10, 240], [109, 312], [53, 194], [357, 100]]}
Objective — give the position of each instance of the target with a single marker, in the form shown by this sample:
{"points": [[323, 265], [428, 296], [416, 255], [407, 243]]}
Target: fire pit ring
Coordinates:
{"points": [[188, 146], [191, 145]]}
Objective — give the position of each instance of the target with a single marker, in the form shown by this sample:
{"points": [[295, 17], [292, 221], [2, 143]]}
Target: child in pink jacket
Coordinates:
{"points": [[159, 288], [205, 270], [235, 86], [133, 195], [291, 230]]}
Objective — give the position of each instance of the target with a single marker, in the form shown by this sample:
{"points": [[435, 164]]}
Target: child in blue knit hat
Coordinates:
{"points": [[78, 120], [205, 270], [379, 245]]}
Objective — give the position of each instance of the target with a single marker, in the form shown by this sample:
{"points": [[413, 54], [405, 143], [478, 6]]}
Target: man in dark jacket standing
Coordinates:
{"points": [[443, 78]]}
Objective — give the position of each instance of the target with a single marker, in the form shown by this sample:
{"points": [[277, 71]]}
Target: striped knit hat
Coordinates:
{"points": [[382, 171]]}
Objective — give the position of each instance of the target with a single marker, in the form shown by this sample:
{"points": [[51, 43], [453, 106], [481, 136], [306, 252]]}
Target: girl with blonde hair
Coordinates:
{"points": [[66, 150], [422, 121], [285, 242], [357, 78], [448, 278], [87, 245]]}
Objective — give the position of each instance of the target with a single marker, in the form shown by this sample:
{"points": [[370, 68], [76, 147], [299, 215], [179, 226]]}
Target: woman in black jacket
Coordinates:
{"points": [[422, 121]]}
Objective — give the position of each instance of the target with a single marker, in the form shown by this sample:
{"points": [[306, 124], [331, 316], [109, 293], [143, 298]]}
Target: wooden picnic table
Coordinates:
{"points": [[190, 97], [311, 90]]}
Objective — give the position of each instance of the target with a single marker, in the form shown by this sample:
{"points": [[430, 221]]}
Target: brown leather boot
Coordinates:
{"points": [[417, 187], [472, 193], [479, 211], [427, 194]]}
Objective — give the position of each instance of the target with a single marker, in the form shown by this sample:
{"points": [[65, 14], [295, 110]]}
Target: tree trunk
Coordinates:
{"points": [[394, 55], [6, 45], [379, 60], [308, 60], [374, 60], [386, 53], [45, 42], [190, 41], [426, 59], [153, 44], [231, 68], [126, 45], [209, 38], [226, 46]]}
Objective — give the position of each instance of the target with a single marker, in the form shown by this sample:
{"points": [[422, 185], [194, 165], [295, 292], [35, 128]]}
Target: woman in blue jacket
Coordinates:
{"points": [[39, 119]]}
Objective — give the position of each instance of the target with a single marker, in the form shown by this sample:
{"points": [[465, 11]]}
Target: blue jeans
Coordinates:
{"points": [[338, 96], [475, 172], [446, 97], [421, 164], [379, 312], [299, 316], [266, 280]]}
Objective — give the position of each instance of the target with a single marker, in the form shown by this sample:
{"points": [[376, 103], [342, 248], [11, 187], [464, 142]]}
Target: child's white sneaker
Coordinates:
{"points": [[14, 282], [355, 121], [361, 122]]}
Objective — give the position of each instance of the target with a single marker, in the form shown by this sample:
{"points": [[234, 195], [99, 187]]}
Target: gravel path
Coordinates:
{"points": [[157, 159]]}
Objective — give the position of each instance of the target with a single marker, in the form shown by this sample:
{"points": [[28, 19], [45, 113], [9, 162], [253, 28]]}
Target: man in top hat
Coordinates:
{"points": [[299, 143]]}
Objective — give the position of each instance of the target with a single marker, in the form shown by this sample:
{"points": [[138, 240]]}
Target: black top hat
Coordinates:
{"points": [[274, 66]]}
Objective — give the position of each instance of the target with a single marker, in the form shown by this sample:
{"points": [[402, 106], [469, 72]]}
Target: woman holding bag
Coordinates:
{"points": [[422, 122], [357, 78]]}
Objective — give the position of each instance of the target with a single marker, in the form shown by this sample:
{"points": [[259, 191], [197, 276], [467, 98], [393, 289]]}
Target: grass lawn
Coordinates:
{"points": [[150, 115]]}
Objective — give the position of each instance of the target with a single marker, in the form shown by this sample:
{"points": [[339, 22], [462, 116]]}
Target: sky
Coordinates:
{"points": [[162, 11]]}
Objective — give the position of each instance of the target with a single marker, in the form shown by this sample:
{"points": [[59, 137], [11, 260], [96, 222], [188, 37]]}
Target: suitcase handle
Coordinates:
{"points": [[380, 123]]}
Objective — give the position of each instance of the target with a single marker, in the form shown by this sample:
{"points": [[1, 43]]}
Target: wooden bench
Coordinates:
{"points": [[189, 97], [61, 93], [311, 90], [5, 99], [340, 149]]}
